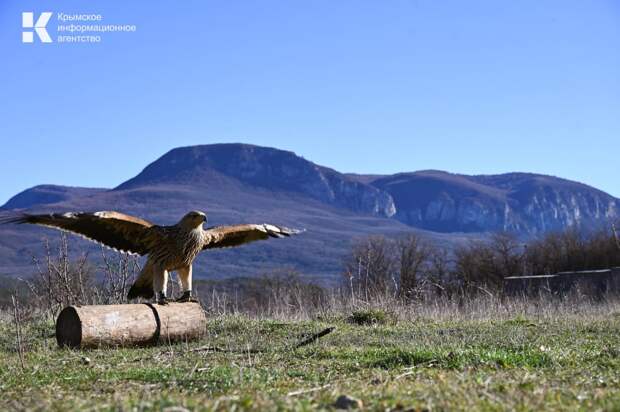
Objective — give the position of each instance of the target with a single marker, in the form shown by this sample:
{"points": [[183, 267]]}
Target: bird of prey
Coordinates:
{"points": [[169, 248]]}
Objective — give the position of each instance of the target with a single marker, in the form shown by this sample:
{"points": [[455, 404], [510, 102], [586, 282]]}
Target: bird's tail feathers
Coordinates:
{"points": [[143, 286]]}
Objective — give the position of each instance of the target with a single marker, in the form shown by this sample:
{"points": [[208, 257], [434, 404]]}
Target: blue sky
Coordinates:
{"points": [[368, 86]]}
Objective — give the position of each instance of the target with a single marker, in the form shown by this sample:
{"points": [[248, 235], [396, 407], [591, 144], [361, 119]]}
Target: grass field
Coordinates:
{"points": [[567, 358]]}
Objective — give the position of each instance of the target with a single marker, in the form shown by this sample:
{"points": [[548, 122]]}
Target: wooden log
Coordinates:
{"points": [[129, 325]]}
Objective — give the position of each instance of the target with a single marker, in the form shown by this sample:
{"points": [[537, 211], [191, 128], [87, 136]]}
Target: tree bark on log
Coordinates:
{"points": [[129, 325]]}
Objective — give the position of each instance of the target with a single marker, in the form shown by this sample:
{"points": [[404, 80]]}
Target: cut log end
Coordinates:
{"points": [[129, 325], [69, 328]]}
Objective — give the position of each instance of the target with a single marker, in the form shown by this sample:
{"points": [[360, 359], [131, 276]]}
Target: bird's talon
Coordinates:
{"points": [[186, 297], [162, 299]]}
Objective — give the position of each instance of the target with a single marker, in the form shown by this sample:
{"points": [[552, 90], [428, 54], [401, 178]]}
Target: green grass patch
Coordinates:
{"points": [[421, 364]]}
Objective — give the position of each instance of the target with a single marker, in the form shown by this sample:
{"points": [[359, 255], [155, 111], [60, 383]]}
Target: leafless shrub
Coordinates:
{"points": [[118, 274], [413, 260], [61, 280], [439, 272], [370, 268], [412, 270], [482, 266], [280, 294], [406, 268], [18, 331], [571, 251]]}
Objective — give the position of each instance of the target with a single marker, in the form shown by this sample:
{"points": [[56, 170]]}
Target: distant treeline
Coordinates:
{"points": [[410, 267], [404, 269]]}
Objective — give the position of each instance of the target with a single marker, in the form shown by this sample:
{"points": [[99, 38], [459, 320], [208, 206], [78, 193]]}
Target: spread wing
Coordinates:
{"points": [[113, 229], [229, 236]]}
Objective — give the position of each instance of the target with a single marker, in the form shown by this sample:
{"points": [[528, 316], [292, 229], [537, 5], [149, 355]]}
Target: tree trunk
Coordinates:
{"points": [[129, 325]]}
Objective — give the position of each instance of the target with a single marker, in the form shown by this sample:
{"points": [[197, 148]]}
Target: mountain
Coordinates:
{"points": [[233, 184], [266, 168], [237, 183], [46, 194], [524, 203]]}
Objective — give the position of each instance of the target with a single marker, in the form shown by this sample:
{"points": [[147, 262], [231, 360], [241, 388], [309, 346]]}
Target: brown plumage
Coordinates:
{"points": [[169, 248]]}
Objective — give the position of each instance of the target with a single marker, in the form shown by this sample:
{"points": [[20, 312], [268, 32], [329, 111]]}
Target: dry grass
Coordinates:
{"points": [[482, 354]]}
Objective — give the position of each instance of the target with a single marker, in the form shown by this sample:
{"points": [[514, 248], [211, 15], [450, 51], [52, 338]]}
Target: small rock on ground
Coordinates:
{"points": [[348, 402]]}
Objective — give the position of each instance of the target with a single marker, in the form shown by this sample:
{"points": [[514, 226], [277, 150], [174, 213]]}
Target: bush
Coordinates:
{"points": [[371, 317], [62, 281]]}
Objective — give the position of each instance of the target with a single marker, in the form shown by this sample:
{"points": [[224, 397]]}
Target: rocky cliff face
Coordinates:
{"points": [[520, 202], [544, 203], [262, 167]]}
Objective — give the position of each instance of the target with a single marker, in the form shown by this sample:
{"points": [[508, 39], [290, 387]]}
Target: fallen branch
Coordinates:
{"points": [[304, 342], [209, 349], [315, 337]]}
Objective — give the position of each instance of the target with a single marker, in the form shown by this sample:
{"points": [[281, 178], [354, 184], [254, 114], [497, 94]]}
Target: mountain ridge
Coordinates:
{"points": [[238, 183], [430, 199]]}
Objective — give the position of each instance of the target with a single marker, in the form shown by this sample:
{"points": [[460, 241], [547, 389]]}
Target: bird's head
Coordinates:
{"points": [[193, 219]]}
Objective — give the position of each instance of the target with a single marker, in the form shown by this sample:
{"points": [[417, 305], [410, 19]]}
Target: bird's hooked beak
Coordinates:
{"points": [[204, 218]]}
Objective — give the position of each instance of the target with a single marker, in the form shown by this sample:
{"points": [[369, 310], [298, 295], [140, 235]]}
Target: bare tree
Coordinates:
{"points": [[439, 271], [60, 281], [370, 267], [118, 274], [63, 280], [475, 266], [412, 261], [508, 254]]}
